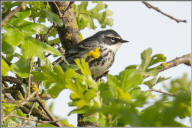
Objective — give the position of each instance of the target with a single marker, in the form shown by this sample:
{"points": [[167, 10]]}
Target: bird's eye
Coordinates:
{"points": [[113, 39]]}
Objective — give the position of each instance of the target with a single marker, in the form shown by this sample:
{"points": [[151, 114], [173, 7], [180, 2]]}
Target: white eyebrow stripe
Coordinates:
{"points": [[113, 37]]}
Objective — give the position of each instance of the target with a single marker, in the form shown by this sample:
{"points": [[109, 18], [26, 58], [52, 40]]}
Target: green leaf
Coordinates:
{"points": [[57, 41], [55, 80], [85, 17], [52, 17], [122, 94], [45, 125], [79, 111], [146, 59], [91, 118], [21, 67], [157, 58], [153, 71], [29, 28], [7, 7], [130, 79], [150, 83], [19, 17], [37, 9], [106, 91], [12, 37], [113, 80], [32, 47], [83, 66], [161, 79], [24, 14], [5, 67], [66, 123], [53, 33], [89, 94], [131, 67], [6, 47], [17, 29], [67, 66]]}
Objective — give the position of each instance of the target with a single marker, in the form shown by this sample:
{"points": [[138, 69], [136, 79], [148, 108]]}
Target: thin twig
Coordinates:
{"points": [[165, 14], [33, 17], [33, 119], [48, 32], [33, 105], [25, 121], [185, 59], [64, 10], [61, 49], [10, 114], [48, 113], [12, 13], [20, 105], [160, 91], [6, 60], [28, 98], [15, 93], [20, 101], [60, 15], [30, 75], [58, 61]]}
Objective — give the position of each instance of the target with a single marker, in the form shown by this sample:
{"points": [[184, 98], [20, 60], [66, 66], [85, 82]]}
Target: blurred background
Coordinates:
{"points": [[144, 28]]}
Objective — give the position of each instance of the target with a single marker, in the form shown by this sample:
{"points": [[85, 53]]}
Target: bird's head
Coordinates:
{"points": [[111, 38]]}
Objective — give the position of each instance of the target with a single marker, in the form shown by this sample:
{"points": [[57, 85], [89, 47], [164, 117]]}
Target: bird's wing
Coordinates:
{"points": [[81, 50]]}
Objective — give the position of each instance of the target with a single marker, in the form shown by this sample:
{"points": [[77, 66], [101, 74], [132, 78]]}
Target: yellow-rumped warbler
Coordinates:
{"points": [[98, 50]]}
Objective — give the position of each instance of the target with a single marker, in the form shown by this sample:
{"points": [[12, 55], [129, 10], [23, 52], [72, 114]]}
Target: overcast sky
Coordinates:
{"points": [[144, 28]]}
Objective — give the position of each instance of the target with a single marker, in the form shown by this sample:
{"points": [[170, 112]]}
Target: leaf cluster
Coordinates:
{"points": [[85, 17], [118, 101]]}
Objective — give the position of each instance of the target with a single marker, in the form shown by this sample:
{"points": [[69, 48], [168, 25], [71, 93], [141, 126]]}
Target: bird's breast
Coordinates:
{"points": [[101, 65]]}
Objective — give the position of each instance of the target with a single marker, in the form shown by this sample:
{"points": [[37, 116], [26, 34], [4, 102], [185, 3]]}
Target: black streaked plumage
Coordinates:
{"points": [[107, 41]]}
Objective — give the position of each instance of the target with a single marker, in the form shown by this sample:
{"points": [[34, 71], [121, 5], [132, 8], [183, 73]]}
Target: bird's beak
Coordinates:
{"points": [[124, 41]]}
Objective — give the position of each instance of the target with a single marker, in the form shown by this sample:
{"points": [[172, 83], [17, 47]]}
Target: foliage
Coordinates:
{"points": [[118, 101], [85, 17]]}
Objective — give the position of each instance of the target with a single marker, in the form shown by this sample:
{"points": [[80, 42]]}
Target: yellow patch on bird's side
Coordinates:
{"points": [[164, 65], [4, 101], [94, 54], [69, 35], [61, 8]]}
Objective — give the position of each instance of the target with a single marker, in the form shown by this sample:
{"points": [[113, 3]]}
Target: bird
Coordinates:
{"points": [[98, 50]]}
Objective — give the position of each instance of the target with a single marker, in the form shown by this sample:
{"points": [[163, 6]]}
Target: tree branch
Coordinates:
{"points": [[38, 121], [160, 91], [68, 33], [26, 107], [12, 79], [185, 59], [48, 32], [48, 113], [20, 105], [165, 14], [12, 13], [25, 121]]}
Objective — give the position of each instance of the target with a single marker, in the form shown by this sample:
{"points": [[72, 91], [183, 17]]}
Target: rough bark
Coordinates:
{"points": [[68, 33]]}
